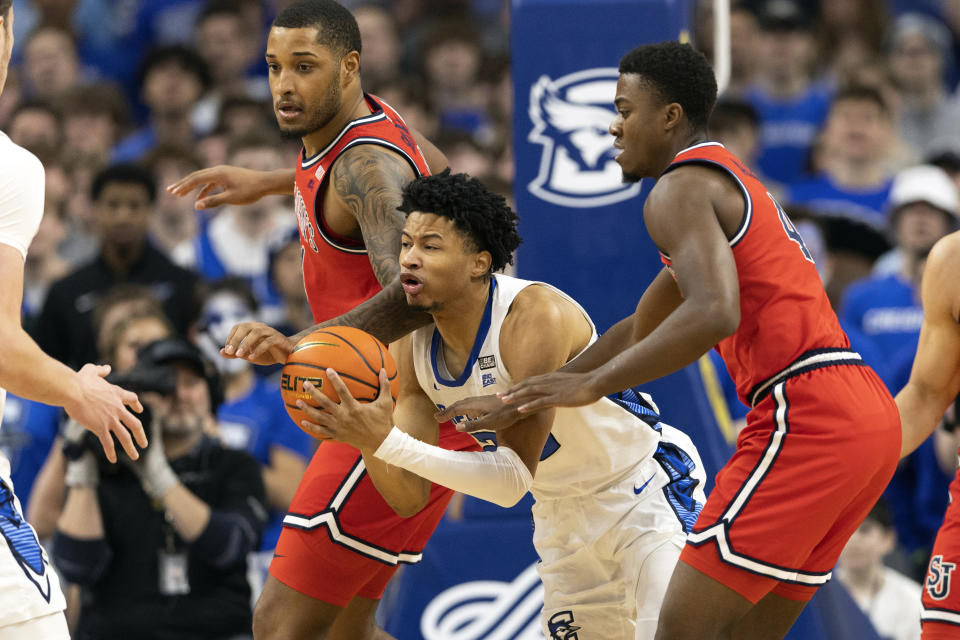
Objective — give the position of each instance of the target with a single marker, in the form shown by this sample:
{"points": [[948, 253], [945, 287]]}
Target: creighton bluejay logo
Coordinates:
{"points": [[570, 118], [561, 626]]}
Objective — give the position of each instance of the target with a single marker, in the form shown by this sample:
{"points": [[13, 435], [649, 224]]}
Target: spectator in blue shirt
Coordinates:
{"points": [[252, 417], [923, 207], [854, 174], [236, 241], [849, 192], [229, 51], [173, 79], [791, 106]]}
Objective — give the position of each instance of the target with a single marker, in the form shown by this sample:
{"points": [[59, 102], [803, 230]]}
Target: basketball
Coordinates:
{"points": [[355, 355]]}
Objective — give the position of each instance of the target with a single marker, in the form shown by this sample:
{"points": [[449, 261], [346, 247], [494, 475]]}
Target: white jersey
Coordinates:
{"points": [[21, 208], [588, 449], [29, 588]]}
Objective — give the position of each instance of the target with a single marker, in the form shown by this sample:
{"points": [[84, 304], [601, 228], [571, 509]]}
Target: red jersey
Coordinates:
{"points": [[336, 270], [784, 310]]}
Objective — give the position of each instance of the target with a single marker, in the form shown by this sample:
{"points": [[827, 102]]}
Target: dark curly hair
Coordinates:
{"points": [[337, 28], [680, 74], [481, 214], [124, 174]]}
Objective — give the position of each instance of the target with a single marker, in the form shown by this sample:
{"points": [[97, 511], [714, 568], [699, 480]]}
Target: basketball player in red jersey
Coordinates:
{"points": [[823, 437], [341, 541], [934, 383]]}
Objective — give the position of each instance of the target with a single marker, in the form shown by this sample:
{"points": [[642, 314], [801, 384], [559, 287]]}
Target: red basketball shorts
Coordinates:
{"points": [[818, 450], [340, 538], [941, 598]]}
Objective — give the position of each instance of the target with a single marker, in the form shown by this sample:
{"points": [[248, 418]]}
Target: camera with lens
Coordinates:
{"points": [[147, 378]]}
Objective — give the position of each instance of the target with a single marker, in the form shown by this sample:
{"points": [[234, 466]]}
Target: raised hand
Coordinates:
{"points": [[222, 185], [258, 343], [487, 413], [101, 408], [552, 390], [363, 425]]}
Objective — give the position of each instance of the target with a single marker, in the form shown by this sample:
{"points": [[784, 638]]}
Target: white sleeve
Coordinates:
{"points": [[495, 476], [21, 195]]}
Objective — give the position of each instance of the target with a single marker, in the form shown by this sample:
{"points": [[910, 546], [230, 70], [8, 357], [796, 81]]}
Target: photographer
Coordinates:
{"points": [[160, 544]]}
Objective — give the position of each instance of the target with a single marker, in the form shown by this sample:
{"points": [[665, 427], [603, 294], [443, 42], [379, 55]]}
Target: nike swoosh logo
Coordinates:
{"points": [[279, 555], [642, 487]]}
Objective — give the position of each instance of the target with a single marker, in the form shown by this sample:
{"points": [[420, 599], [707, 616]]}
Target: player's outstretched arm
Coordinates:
{"points": [[366, 182], [680, 216], [935, 377], [490, 413], [658, 301], [225, 184], [27, 371]]}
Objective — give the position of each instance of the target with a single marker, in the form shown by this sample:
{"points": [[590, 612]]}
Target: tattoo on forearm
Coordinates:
{"points": [[386, 315], [370, 180]]}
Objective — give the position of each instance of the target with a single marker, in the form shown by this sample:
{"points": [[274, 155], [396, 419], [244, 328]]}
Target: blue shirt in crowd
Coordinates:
{"points": [[29, 429], [887, 310], [822, 196], [787, 130]]}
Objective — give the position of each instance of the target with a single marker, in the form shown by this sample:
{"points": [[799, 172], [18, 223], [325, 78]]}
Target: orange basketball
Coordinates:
{"points": [[355, 355]]}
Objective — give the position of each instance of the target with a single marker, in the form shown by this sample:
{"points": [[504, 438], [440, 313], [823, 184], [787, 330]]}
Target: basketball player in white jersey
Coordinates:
{"points": [[615, 489], [30, 598]]}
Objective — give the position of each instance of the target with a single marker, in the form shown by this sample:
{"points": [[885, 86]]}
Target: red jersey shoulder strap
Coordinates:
{"points": [[383, 127], [714, 154]]}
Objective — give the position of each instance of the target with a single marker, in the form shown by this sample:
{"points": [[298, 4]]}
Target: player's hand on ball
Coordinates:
{"points": [[257, 343], [552, 390], [363, 425], [486, 413], [221, 185], [101, 407]]}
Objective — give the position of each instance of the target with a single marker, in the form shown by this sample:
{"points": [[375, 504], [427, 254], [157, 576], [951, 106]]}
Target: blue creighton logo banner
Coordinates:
{"points": [[582, 226], [570, 117]]}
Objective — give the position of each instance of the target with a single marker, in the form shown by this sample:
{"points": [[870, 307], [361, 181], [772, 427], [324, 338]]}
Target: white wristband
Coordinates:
{"points": [[497, 476], [159, 482]]}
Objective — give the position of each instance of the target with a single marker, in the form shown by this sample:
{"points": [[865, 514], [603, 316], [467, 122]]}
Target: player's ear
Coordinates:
{"points": [[481, 264], [672, 115], [350, 67]]}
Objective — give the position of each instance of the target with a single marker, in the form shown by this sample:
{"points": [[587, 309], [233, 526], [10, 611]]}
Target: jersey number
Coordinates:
{"points": [[488, 442], [488, 439], [790, 229]]}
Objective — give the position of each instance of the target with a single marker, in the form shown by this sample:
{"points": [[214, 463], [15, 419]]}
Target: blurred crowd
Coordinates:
{"points": [[847, 109]]}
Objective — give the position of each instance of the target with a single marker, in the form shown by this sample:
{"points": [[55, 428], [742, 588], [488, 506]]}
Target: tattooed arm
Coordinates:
{"points": [[367, 182]]}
